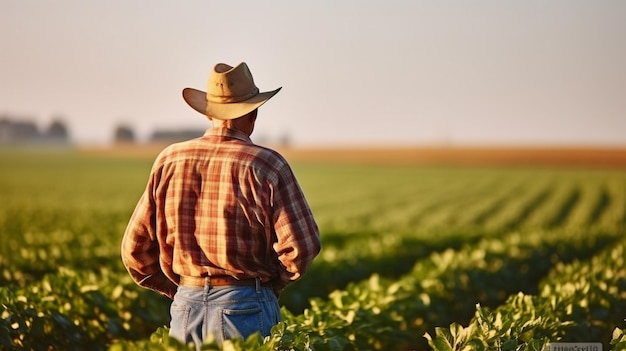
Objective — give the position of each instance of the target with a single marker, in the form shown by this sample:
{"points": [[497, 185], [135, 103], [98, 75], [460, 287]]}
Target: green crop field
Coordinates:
{"points": [[414, 257]]}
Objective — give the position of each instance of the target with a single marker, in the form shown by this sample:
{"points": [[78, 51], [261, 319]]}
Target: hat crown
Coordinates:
{"points": [[231, 93], [229, 84]]}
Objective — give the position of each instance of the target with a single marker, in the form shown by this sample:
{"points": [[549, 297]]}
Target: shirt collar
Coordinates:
{"points": [[228, 133]]}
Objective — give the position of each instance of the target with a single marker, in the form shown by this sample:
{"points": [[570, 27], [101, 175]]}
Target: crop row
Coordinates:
{"points": [[381, 314], [421, 200], [582, 302], [497, 205], [63, 218], [72, 310]]}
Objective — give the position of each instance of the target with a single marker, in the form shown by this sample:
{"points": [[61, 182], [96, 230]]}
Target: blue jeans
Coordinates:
{"points": [[226, 312]]}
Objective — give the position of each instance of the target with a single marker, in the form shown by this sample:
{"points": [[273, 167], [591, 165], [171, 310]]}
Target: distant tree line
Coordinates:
{"points": [[15, 131], [125, 134]]}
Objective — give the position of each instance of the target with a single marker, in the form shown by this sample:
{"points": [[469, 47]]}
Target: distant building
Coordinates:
{"points": [[57, 132], [124, 135]]}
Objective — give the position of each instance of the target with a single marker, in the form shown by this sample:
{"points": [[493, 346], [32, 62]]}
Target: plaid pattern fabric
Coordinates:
{"points": [[220, 205]]}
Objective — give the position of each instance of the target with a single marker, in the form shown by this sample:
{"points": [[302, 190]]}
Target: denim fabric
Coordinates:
{"points": [[226, 312]]}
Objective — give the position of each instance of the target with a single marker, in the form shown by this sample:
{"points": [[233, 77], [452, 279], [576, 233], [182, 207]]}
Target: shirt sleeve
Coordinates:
{"points": [[298, 241], [140, 247]]}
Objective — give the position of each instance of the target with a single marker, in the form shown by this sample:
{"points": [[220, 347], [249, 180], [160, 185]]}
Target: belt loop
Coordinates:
{"points": [[207, 282], [207, 285], [257, 282]]}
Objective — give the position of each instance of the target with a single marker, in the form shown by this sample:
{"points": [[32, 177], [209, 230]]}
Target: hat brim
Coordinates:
{"points": [[196, 99]]}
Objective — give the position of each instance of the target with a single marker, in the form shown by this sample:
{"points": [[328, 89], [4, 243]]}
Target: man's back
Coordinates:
{"points": [[215, 197], [223, 206]]}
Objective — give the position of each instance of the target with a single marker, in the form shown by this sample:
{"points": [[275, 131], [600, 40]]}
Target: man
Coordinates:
{"points": [[223, 225]]}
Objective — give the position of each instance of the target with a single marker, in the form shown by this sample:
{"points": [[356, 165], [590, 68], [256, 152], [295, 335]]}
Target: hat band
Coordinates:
{"points": [[231, 99]]}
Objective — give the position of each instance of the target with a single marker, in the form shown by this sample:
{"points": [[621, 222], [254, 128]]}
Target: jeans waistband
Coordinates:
{"points": [[222, 280]]}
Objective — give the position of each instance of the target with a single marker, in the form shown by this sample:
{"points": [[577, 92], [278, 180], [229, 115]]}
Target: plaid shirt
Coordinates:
{"points": [[220, 205]]}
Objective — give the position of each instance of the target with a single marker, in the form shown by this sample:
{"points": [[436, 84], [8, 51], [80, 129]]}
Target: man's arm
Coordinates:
{"points": [[298, 240], [140, 249]]}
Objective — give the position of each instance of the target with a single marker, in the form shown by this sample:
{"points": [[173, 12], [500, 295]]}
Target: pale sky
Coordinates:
{"points": [[353, 72]]}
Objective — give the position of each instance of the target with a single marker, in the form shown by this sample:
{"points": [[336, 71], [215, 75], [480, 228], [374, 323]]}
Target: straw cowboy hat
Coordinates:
{"points": [[230, 94]]}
